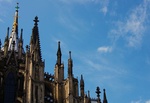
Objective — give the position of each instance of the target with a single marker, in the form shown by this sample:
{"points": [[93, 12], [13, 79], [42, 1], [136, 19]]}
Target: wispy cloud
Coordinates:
{"points": [[133, 27], [104, 6], [140, 101], [103, 3], [147, 101], [104, 10], [104, 49], [101, 66]]}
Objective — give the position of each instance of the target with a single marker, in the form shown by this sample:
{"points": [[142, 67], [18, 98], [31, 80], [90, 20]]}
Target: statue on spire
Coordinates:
{"points": [[14, 33], [17, 7]]}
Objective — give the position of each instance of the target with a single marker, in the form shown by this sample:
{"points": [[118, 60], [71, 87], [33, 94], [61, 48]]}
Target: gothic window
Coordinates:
{"points": [[9, 91], [48, 98]]}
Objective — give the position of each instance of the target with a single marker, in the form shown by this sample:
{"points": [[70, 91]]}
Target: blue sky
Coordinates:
{"points": [[109, 40]]}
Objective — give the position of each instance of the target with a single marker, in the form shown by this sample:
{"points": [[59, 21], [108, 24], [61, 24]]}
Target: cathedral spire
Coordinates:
{"points": [[20, 45], [6, 43], [35, 32], [70, 65], [105, 99], [59, 54], [81, 81], [14, 33], [35, 40], [82, 86], [7, 35], [20, 40]]}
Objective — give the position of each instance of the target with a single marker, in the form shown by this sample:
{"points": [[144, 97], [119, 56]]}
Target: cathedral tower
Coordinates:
{"points": [[105, 99], [12, 67], [59, 77], [82, 87], [70, 65], [34, 68]]}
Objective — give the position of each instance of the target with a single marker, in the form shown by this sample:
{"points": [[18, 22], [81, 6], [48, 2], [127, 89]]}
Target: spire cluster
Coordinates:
{"points": [[98, 95], [16, 60]]}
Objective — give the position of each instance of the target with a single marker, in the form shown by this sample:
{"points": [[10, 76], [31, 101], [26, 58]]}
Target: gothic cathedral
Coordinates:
{"points": [[22, 77]]}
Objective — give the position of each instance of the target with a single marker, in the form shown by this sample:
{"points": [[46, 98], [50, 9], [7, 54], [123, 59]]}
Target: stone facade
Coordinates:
{"points": [[22, 77]]}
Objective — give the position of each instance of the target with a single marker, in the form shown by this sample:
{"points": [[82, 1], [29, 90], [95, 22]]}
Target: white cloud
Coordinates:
{"points": [[104, 10], [103, 3], [132, 29], [104, 6], [140, 101], [104, 49], [147, 101]]}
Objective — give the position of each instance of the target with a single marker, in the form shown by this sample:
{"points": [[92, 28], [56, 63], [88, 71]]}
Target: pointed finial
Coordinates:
{"points": [[59, 54], [7, 35], [104, 90], [81, 77], [59, 50], [104, 94], [17, 7], [69, 54], [70, 65], [81, 81], [58, 44], [21, 34], [105, 99], [88, 94], [98, 94], [8, 31], [21, 31], [36, 21]]}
